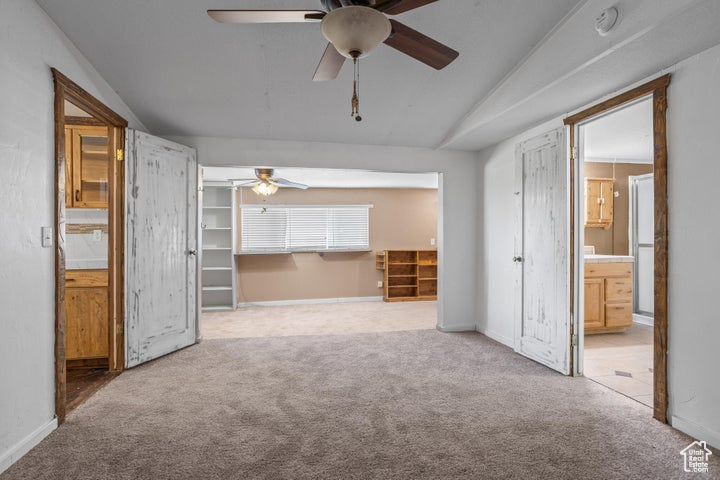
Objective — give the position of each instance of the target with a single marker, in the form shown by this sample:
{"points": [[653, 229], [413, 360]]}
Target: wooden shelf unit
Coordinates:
{"points": [[410, 275]]}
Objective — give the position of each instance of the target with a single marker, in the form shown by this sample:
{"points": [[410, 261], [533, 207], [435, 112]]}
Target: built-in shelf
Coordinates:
{"points": [[217, 289], [410, 275], [218, 262]]}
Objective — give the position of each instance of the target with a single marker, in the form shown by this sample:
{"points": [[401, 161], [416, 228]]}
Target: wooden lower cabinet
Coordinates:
{"points": [[608, 297], [86, 307]]}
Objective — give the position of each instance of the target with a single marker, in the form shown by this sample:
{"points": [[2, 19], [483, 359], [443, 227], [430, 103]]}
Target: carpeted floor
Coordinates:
{"points": [[319, 319], [406, 405]]}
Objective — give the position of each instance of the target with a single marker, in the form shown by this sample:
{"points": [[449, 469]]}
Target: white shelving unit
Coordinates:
{"points": [[217, 260]]}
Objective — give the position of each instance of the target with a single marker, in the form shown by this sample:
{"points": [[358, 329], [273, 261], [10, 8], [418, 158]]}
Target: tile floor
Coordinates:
{"points": [[622, 361]]}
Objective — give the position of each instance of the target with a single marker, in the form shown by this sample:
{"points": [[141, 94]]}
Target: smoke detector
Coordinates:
{"points": [[607, 20]]}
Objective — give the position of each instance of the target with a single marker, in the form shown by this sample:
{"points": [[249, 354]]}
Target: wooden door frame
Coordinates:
{"points": [[658, 89], [66, 89]]}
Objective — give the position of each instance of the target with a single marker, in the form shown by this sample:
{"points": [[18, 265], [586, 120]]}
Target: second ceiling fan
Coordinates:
{"points": [[354, 28]]}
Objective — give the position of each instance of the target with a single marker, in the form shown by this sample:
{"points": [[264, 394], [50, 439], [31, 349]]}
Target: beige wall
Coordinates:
{"points": [[399, 219], [614, 241]]}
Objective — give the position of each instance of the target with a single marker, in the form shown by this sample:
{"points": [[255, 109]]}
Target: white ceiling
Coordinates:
{"points": [[183, 74], [521, 63], [624, 135], [330, 178]]}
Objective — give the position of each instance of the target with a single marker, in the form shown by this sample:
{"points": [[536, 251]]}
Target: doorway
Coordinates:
{"points": [[321, 259], [89, 228], [616, 165], [603, 298]]}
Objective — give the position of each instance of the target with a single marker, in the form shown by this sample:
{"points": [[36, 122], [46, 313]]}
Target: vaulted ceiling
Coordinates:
{"points": [[520, 62]]}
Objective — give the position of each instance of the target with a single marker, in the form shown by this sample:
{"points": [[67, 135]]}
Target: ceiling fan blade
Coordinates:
{"points": [[266, 16], [395, 7], [330, 65], [420, 47], [281, 182]]}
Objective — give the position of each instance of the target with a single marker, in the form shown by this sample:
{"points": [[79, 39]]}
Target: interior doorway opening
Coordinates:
{"points": [[607, 286], [318, 251], [616, 165], [89, 220]]}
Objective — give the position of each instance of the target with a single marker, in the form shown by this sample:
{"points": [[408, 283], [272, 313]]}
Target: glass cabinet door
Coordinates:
{"points": [[90, 167]]}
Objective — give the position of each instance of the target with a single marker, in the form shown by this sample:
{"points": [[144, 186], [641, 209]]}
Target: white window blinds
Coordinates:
{"points": [[295, 228]]}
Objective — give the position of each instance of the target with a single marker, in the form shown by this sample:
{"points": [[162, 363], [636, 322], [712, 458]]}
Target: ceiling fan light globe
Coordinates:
{"points": [[355, 29], [265, 189]]}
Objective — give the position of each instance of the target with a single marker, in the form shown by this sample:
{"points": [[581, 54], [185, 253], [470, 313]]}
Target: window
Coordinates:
{"points": [[304, 228]]}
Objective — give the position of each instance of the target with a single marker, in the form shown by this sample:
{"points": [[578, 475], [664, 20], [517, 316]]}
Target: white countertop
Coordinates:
{"points": [[86, 264], [609, 259]]}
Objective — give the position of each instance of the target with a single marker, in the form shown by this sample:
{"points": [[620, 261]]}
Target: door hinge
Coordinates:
{"points": [[573, 152], [574, 340], [119, 328], [119, 154]]}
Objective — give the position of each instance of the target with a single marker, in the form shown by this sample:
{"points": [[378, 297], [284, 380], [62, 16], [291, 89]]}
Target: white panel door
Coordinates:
{"points": [[542, 325], [161, 247]]}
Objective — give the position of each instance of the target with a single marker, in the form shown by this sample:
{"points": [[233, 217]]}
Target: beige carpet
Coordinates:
{"points": [[398, 405], [319, 319]]}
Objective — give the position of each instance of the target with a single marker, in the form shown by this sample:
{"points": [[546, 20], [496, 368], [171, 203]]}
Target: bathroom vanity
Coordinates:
{"points": [[608, 293]]}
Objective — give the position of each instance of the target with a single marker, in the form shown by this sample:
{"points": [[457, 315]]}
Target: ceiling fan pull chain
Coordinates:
{"points": [[356, 89]]}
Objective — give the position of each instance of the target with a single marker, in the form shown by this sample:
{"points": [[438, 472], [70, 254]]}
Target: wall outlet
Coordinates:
{"points": [[432, 241], [380, 284], [97, 235]]}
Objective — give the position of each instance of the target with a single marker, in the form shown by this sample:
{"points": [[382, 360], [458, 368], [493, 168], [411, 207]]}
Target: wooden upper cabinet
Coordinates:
{"points": [[599, 197], [87, 166]]}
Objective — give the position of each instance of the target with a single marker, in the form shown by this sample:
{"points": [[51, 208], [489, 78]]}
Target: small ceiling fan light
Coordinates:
{"points": [[265, 189], [355, 29]]}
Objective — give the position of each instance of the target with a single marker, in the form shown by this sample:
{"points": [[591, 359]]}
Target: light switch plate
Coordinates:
{"points": [[97, 235], [47, 237], [432, 241], [380, 284]]}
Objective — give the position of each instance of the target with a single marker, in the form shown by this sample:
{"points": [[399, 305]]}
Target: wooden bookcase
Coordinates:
{"points": [[410, 275]]}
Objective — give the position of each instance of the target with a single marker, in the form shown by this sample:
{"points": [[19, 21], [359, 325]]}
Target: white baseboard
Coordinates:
{"points": [[26, 444], [698, 432], [456, 328], [498, 337], [310, 301], [643, 320]]}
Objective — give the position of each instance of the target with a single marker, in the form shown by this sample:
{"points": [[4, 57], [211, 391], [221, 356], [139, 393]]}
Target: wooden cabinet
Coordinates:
{"points": [[608, 297], [86, 307], [86, 167], [410, 275], [599, 199]]}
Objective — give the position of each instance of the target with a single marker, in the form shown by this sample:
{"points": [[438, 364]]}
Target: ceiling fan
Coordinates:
{"points": [[265, 184], [354, 28]]}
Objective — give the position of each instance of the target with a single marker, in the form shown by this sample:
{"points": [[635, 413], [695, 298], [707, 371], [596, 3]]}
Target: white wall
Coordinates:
{"points": [[693, 317], [457, 198], [694, 172], [29, 45]]}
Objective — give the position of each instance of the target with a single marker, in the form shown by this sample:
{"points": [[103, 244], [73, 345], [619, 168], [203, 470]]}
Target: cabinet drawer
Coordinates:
{"points": [[618, 315], [618, 290]]}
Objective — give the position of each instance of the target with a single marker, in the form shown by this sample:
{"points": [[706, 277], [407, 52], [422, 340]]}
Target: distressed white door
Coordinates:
{"points": [[161, 247], [542, 325]]}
